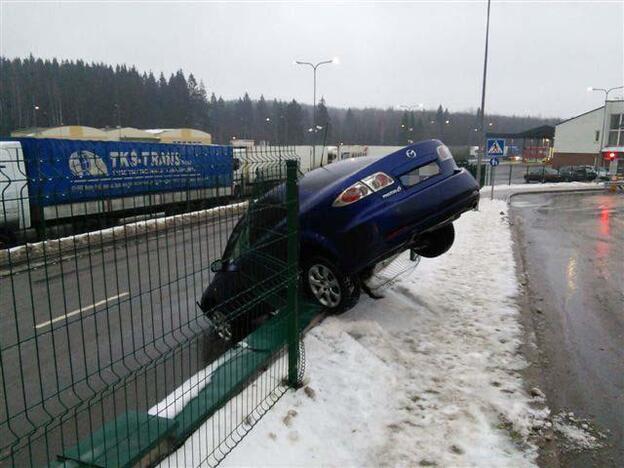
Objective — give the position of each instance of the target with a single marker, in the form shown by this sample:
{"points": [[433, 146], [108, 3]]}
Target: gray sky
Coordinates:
{"points": [[543, 55]]}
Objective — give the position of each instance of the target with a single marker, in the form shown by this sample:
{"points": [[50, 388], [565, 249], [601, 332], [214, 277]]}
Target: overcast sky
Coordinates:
{"points": [[543, 55]]}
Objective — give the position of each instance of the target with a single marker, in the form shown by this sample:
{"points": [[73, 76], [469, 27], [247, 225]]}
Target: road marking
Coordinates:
{"points": [[80, 311]]}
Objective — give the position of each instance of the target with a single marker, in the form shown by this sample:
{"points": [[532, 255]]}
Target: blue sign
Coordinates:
{"points": [[495, 147], [63, 171], [494, 162]]}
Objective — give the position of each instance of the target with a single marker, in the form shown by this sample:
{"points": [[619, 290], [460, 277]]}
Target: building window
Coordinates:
{"points": [[597, 136], [616, 130]]}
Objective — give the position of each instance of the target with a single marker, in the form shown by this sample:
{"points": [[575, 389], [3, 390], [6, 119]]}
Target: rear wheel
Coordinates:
{"points": [[437, 242], [330, 286]]}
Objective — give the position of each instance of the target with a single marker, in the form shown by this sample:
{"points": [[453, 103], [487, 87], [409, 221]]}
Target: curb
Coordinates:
{"points": [[153, 433]]}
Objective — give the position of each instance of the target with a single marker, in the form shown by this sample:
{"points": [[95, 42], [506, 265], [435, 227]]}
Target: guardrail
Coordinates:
{"points": [[106, 358]]}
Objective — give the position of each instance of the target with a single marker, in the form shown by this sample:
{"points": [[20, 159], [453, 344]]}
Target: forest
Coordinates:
{"points": [[44, 93]]}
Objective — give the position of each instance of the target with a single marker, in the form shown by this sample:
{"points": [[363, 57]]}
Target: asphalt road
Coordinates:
{"points": [[573, 245], [122, 318]]}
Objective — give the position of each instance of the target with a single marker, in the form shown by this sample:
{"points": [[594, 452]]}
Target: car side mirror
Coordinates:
{"points": [[217, 266]]}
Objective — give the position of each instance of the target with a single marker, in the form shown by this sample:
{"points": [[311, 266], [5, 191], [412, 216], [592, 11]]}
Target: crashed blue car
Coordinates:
{"points": [[353, 215]]}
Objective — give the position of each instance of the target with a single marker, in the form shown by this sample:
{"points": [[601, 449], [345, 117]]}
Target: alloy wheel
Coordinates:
{"points": [[324, 285]]}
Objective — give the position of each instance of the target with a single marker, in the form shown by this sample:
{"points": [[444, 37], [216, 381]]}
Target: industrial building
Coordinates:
{"points": [[186, 136], [581, 139], [71, 132]]}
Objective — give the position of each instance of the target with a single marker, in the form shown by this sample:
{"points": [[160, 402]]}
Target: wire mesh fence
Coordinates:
{"points": [[511, 173], [147, 290]]}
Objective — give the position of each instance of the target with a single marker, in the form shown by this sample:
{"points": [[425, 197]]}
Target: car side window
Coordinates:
{"points": [[239, 240], [264, 220]]}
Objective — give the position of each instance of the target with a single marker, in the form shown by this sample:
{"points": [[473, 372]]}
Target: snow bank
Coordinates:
{"points": [[503, 192], [429, 375]]}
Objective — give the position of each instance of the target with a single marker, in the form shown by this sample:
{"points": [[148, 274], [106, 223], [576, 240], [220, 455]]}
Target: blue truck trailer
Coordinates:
{"points": [[54, 181]]}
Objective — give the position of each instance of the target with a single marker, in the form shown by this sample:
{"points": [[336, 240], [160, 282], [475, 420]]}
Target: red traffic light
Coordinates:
{"points": [[610, 155]]}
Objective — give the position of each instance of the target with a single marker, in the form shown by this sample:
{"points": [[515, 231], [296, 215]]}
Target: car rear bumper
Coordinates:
{"points": [[444, 202]]}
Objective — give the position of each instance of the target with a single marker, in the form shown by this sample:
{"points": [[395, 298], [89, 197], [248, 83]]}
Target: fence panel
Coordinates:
{"points": [[110, 354]]}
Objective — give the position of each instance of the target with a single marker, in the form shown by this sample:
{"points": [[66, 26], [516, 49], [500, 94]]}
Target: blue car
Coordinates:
{"points": [[353, 214]]}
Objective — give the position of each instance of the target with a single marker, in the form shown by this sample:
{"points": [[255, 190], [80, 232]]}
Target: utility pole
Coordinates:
{"points": [[485, 60]]}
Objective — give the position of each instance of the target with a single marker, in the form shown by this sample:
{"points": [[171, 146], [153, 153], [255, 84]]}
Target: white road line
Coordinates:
{"points": [[79, 311]]}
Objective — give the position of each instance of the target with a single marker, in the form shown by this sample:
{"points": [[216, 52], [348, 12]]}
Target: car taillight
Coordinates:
{"points": [[363, 188], [354, 193], [378, 181]]}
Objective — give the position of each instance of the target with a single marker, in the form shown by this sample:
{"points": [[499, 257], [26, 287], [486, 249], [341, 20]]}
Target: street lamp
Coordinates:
{"points": [[35, 109], [480, 154], [604, 113], [118, 119], [269, 128], [314, 66]]}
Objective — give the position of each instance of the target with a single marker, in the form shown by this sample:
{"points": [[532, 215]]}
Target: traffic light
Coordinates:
{"points": [[610, 155]]}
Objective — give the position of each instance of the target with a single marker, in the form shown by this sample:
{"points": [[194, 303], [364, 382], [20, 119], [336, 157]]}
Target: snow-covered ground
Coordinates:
{"points": [[429, 375], [503, 192]]}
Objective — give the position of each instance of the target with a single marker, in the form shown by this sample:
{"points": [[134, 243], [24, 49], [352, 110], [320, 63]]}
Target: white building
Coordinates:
{"points": [[579, 140]]}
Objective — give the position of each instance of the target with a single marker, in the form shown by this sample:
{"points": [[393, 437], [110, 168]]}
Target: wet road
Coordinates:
{"points": [[573, 245], [119, 317]]}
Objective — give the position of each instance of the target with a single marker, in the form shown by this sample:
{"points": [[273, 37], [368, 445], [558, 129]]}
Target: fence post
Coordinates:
{"points": [[292, 206]]}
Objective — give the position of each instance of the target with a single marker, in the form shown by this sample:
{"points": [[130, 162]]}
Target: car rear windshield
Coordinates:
{"points": [[323, 176]]}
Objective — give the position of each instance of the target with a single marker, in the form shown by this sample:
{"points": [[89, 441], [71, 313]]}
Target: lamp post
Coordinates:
{"points": [[35, 109], [604, 114], [314, 67], [117, 108], [485, 59], [268, 132]]}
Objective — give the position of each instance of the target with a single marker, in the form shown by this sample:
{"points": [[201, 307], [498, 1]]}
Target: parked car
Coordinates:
{"points": [[578, 173], [542, 174], [353, 214], [602, 173]]}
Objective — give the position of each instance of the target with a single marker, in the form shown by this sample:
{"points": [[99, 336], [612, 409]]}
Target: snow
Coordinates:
{"points": [[575, 433], [428, 375], [503, 192], [177, 400]]}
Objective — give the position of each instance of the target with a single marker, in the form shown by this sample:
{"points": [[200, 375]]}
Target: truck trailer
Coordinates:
{"points": [[55, 182]]}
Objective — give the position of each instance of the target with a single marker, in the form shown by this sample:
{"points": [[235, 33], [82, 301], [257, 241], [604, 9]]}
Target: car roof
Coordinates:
{"points": [[321, 177]]}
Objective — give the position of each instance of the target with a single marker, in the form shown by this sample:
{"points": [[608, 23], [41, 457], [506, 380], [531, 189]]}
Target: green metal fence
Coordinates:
{"points": [[511, 173], [110, 355]]}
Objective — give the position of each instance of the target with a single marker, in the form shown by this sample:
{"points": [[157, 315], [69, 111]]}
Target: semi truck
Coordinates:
{"points": [[55, 182]]}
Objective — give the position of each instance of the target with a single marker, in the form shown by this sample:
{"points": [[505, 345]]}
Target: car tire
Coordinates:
{"points": [[326, 283], [437, 242]]}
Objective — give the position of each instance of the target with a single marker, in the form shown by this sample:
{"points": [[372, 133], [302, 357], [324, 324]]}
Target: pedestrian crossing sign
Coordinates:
{"points": [[495, 147]]}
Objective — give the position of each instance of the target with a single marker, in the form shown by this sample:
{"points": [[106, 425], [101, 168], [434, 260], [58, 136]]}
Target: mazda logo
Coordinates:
{"points": [[411, 153]]}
